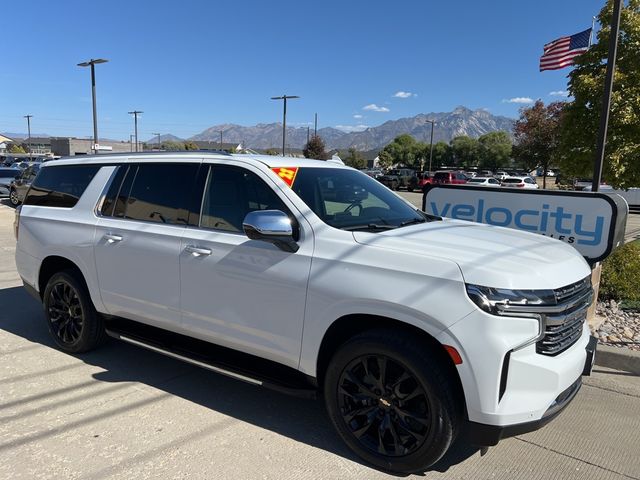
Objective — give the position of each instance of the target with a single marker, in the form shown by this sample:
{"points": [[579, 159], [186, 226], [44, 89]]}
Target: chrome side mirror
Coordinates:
{"points": [[271, 226]]}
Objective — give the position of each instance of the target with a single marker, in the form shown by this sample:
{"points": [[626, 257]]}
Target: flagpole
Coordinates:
{"points": [[593, 26], [606, 97]]}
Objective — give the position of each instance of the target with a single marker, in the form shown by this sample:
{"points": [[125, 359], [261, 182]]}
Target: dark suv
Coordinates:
{"points": [[18, 188], [400, 178], [449, 177]]}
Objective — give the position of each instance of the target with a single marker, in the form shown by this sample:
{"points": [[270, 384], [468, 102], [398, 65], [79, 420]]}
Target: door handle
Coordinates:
{"points": [[197, 251], [112, 237]]}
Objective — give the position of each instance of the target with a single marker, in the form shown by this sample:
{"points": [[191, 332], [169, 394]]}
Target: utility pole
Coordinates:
{"points": [[284, 118], [315, 126], [221, 139], [307, 134], [135, 114], [158, 135], [431, 147], [131, 142], [91, 63], [29, 117], [606, 100]]}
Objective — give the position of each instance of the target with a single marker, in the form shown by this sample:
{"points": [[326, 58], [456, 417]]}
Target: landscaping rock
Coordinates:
{"points": [[621, 327]]}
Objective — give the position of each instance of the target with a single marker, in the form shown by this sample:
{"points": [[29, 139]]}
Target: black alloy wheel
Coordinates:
{"points": [[65, 312], [384, 405], [71, 317], [393, 399]]}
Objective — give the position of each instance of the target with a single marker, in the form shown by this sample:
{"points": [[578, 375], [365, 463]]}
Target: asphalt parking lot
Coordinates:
{"points": [[123, 412]]}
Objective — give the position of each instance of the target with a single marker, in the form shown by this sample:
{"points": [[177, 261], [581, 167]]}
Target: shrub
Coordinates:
{"points": [[620, 278]]}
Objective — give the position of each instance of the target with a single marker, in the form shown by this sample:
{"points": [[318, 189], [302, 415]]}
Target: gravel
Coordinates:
{"points": [[621, 328]]}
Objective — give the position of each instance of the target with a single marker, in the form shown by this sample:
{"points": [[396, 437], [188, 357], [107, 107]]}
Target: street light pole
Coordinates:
{"points": [[91, 63], [221, 139], [606, 100], [131, 142], [135, 114], [315, 126], [158, 135], [284, 118], [28, 117], [431, 147]]}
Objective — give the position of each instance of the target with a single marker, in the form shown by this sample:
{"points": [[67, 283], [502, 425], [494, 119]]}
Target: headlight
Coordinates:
{"points": [[497, 300]]}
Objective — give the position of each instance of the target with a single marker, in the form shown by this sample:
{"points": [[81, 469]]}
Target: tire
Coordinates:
{"points": [[72, 319], [13, 197], [358, 410]]}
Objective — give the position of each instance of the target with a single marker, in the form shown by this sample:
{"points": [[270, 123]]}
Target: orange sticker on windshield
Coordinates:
{"points": [[288, 174]]}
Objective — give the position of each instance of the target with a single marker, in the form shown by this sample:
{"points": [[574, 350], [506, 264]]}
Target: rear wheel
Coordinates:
{"points": [[13, 197], [71, 317], [391, 401]]}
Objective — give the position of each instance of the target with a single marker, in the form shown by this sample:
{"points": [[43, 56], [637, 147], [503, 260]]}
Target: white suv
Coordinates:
{"points": [[307, 276]]}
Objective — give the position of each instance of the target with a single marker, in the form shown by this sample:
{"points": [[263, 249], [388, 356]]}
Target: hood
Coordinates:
{"points": [[488, 255]]}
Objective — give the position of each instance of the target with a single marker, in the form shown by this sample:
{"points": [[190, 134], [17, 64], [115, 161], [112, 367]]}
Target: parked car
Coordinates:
{"points": [[483, 182], [485, 173], [312, 278], [631, 195], [373, 172], [424, 179], [7, 175], [501, 175], [400, 178], [449, 177], [519, 182], [19, 186]]}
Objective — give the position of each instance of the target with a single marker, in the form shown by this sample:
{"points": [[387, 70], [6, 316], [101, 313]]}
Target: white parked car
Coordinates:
{"points": [[501, 175], [519, 182], [483, 182], [307, 276]]}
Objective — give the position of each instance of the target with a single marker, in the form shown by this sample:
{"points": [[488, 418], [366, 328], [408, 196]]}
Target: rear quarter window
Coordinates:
{"points": [[60, 186]]}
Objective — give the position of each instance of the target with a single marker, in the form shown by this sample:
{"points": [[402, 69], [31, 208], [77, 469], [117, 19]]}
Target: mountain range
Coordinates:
{"points": [[461, 121]]}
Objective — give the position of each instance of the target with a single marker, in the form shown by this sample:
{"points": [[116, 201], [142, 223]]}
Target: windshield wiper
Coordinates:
{"points": [[369, 226], [413, 221]]}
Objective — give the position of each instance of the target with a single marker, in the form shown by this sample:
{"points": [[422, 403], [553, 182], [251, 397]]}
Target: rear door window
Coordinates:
{"points": [[159, 193], [59, 186]]}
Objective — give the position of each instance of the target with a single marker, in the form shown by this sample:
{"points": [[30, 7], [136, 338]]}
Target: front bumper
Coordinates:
{"points": [[488, 435]]}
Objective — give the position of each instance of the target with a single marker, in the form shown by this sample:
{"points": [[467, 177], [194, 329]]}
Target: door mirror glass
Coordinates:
{"points": [[271, 226]]}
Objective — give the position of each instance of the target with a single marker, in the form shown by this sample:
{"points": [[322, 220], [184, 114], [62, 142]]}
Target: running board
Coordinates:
{"points": [[206, 355]]}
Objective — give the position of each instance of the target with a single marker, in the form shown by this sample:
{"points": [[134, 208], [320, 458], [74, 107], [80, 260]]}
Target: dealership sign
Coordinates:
{"points": [[593, 223]]}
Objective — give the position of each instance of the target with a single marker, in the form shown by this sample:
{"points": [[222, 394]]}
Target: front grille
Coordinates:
{"points": [[563, 328]]}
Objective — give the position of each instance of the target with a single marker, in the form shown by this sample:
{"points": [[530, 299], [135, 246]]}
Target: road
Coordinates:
{"points": [[123, 412]]}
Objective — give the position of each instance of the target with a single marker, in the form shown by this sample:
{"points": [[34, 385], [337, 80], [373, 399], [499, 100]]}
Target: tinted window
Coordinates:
{"points": [[441, 176], [114, 189], [9, 173], [231, 193], [160, 192], [59, 186], [512, 180]]}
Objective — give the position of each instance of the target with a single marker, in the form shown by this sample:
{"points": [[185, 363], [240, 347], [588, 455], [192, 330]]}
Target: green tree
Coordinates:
{"points": [[405, 151], [14, 148], [355, 159], [272, 151], [385, 160], [586, 84], [188, 145], [170, 146], [465, 151], [442, 155], [495, 150], [315, 149], [537, 135]]}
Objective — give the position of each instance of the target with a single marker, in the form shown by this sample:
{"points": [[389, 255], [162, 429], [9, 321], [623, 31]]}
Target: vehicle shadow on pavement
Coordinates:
{"points": [[301, 420]]}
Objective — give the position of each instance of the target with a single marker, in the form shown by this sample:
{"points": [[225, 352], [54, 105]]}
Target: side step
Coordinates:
{"points": [[222, 360]]}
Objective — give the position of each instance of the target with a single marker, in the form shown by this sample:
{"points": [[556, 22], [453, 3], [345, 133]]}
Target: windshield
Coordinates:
{"points": [[351, 200]]}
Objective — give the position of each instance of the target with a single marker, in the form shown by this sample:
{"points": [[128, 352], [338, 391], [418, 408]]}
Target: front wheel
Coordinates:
{"points": [[392, 401], [71, 317], [13, 197]]}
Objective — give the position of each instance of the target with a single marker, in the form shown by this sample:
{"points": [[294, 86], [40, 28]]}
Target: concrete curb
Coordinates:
{"points": [[618, 358]]}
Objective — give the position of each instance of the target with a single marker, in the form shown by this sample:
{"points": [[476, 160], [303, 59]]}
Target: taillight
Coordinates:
{"points": [[16, 221], [521, 185]]}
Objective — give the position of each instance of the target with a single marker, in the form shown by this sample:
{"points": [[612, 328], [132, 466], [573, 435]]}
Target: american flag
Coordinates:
{"points": [[561, 52]]}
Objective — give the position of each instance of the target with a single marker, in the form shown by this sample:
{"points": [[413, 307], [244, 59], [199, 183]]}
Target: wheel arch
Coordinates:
{"points": [[53, 264], [350, 325]]}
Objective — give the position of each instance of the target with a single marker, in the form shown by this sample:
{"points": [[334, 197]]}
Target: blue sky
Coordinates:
{"points": [[193, 64]]}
